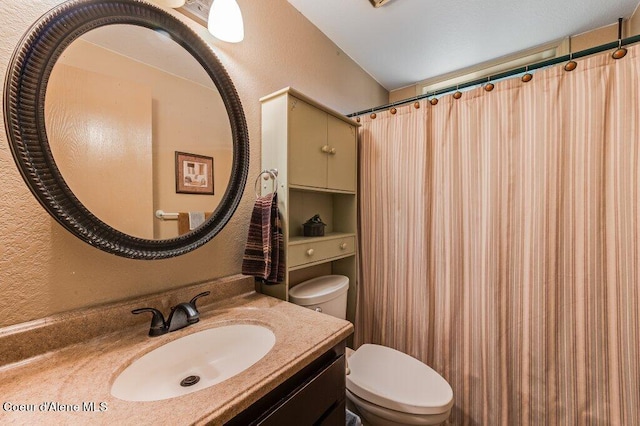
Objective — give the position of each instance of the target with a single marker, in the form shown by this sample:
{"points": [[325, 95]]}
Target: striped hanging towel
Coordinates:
{"points": [[264, 251]]}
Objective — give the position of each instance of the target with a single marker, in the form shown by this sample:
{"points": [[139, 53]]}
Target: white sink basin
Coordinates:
{"points": [[212, 355]]}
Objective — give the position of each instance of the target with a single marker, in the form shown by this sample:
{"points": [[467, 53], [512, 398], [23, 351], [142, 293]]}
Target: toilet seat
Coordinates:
{"points": [[391, 379]]}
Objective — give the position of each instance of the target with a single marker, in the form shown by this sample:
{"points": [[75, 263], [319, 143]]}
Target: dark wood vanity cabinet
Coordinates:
{"points": [[313, 396]]}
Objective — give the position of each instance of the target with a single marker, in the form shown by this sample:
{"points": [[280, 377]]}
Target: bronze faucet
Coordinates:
{"points": [[181, 316]]}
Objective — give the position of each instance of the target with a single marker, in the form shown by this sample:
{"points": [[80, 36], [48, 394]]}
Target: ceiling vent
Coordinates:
{"points": [[378, 3]]}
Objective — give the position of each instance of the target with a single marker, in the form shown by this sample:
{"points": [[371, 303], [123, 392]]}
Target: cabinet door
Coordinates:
{"points": [[313, 402], [342, 157], [307, 137]]}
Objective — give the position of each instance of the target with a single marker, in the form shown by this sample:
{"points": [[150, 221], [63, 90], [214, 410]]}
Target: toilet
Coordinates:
{"points": [[386, 386]]}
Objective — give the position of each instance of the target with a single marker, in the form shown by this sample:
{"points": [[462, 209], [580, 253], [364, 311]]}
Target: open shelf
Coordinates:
{"points": [[337, 210]]}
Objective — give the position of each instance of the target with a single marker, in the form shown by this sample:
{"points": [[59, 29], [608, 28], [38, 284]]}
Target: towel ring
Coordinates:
{"points": [[273, 174]]}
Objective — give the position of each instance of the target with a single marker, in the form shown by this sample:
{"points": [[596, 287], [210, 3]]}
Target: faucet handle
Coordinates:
{"points": [[158, 325], [198, 296]]}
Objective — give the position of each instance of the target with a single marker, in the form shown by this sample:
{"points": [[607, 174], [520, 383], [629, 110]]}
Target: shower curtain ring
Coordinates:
{"points": [[458, 94], [434, 101], [571, 65], [489, 86], [620, 52]]}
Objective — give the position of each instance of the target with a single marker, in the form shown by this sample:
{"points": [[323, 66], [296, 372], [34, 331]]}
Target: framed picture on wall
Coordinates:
{"points": [[194, 174]]}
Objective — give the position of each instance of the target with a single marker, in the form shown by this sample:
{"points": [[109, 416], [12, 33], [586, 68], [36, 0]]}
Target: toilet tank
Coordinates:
{"points": [[326, 294]]}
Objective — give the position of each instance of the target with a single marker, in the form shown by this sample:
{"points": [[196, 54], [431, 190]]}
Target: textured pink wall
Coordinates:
{"points": [[45, 270]]}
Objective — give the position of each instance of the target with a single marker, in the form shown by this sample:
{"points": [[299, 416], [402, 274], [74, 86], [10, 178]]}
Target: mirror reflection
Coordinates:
{"points": [[136, 125]]}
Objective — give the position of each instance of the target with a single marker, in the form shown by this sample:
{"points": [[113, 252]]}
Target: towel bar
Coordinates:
{"points": [[271, 173], [166, 216]]}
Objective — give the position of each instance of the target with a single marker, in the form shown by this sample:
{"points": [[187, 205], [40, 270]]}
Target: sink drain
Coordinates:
{"points": [[189, 381]]}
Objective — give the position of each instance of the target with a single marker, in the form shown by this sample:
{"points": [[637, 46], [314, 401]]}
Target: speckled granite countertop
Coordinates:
{"points": [[83, 372]]}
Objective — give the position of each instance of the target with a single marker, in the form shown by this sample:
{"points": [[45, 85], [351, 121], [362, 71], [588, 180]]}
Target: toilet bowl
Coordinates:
{"points": [[386, 386], [389, 387]]}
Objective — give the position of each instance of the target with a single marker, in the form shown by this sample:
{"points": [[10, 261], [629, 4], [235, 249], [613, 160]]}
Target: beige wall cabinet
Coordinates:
{"points": [[322, 148], [314, 150]]}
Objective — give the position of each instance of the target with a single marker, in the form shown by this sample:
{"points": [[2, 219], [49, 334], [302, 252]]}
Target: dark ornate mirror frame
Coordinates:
{"points": [[25, 88]]}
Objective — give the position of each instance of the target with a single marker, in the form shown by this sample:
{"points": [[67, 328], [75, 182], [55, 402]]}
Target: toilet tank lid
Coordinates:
{"points": [[319, 290], [394, 380]]}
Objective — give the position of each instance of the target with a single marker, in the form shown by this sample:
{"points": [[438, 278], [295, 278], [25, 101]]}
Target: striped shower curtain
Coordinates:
{"points": [[500, 244]]}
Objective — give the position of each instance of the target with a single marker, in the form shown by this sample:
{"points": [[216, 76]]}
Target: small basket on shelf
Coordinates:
{"points": [[314, 227]]}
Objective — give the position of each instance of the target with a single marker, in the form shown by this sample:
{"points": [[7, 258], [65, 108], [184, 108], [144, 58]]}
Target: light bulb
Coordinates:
{"points": [[225, 21]]}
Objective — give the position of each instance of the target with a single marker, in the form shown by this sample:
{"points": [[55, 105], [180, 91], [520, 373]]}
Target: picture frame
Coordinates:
{"points": [[194, 174]]}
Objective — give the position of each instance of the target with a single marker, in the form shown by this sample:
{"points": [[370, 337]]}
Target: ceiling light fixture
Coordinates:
{"points": [[225, 21], [170, 3], [378, 3]]}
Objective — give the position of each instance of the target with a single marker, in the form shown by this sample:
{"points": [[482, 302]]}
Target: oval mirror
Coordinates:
{"points": [[126, 128]]}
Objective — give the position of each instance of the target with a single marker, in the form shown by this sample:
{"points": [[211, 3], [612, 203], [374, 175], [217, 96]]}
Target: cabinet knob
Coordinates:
{"points": [[343, 246], [332, 151], [310, 252], [326, 149]]}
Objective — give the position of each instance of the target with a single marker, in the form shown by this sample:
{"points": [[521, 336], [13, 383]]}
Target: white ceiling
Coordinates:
{"points": [[154, 48], [407, 41]]}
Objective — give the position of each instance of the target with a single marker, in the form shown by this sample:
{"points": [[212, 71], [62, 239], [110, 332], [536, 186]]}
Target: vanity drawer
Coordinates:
{"points": [[317, 251]]}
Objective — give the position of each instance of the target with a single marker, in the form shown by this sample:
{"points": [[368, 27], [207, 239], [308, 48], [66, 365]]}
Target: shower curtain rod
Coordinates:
{"points": [[515, 71]]}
